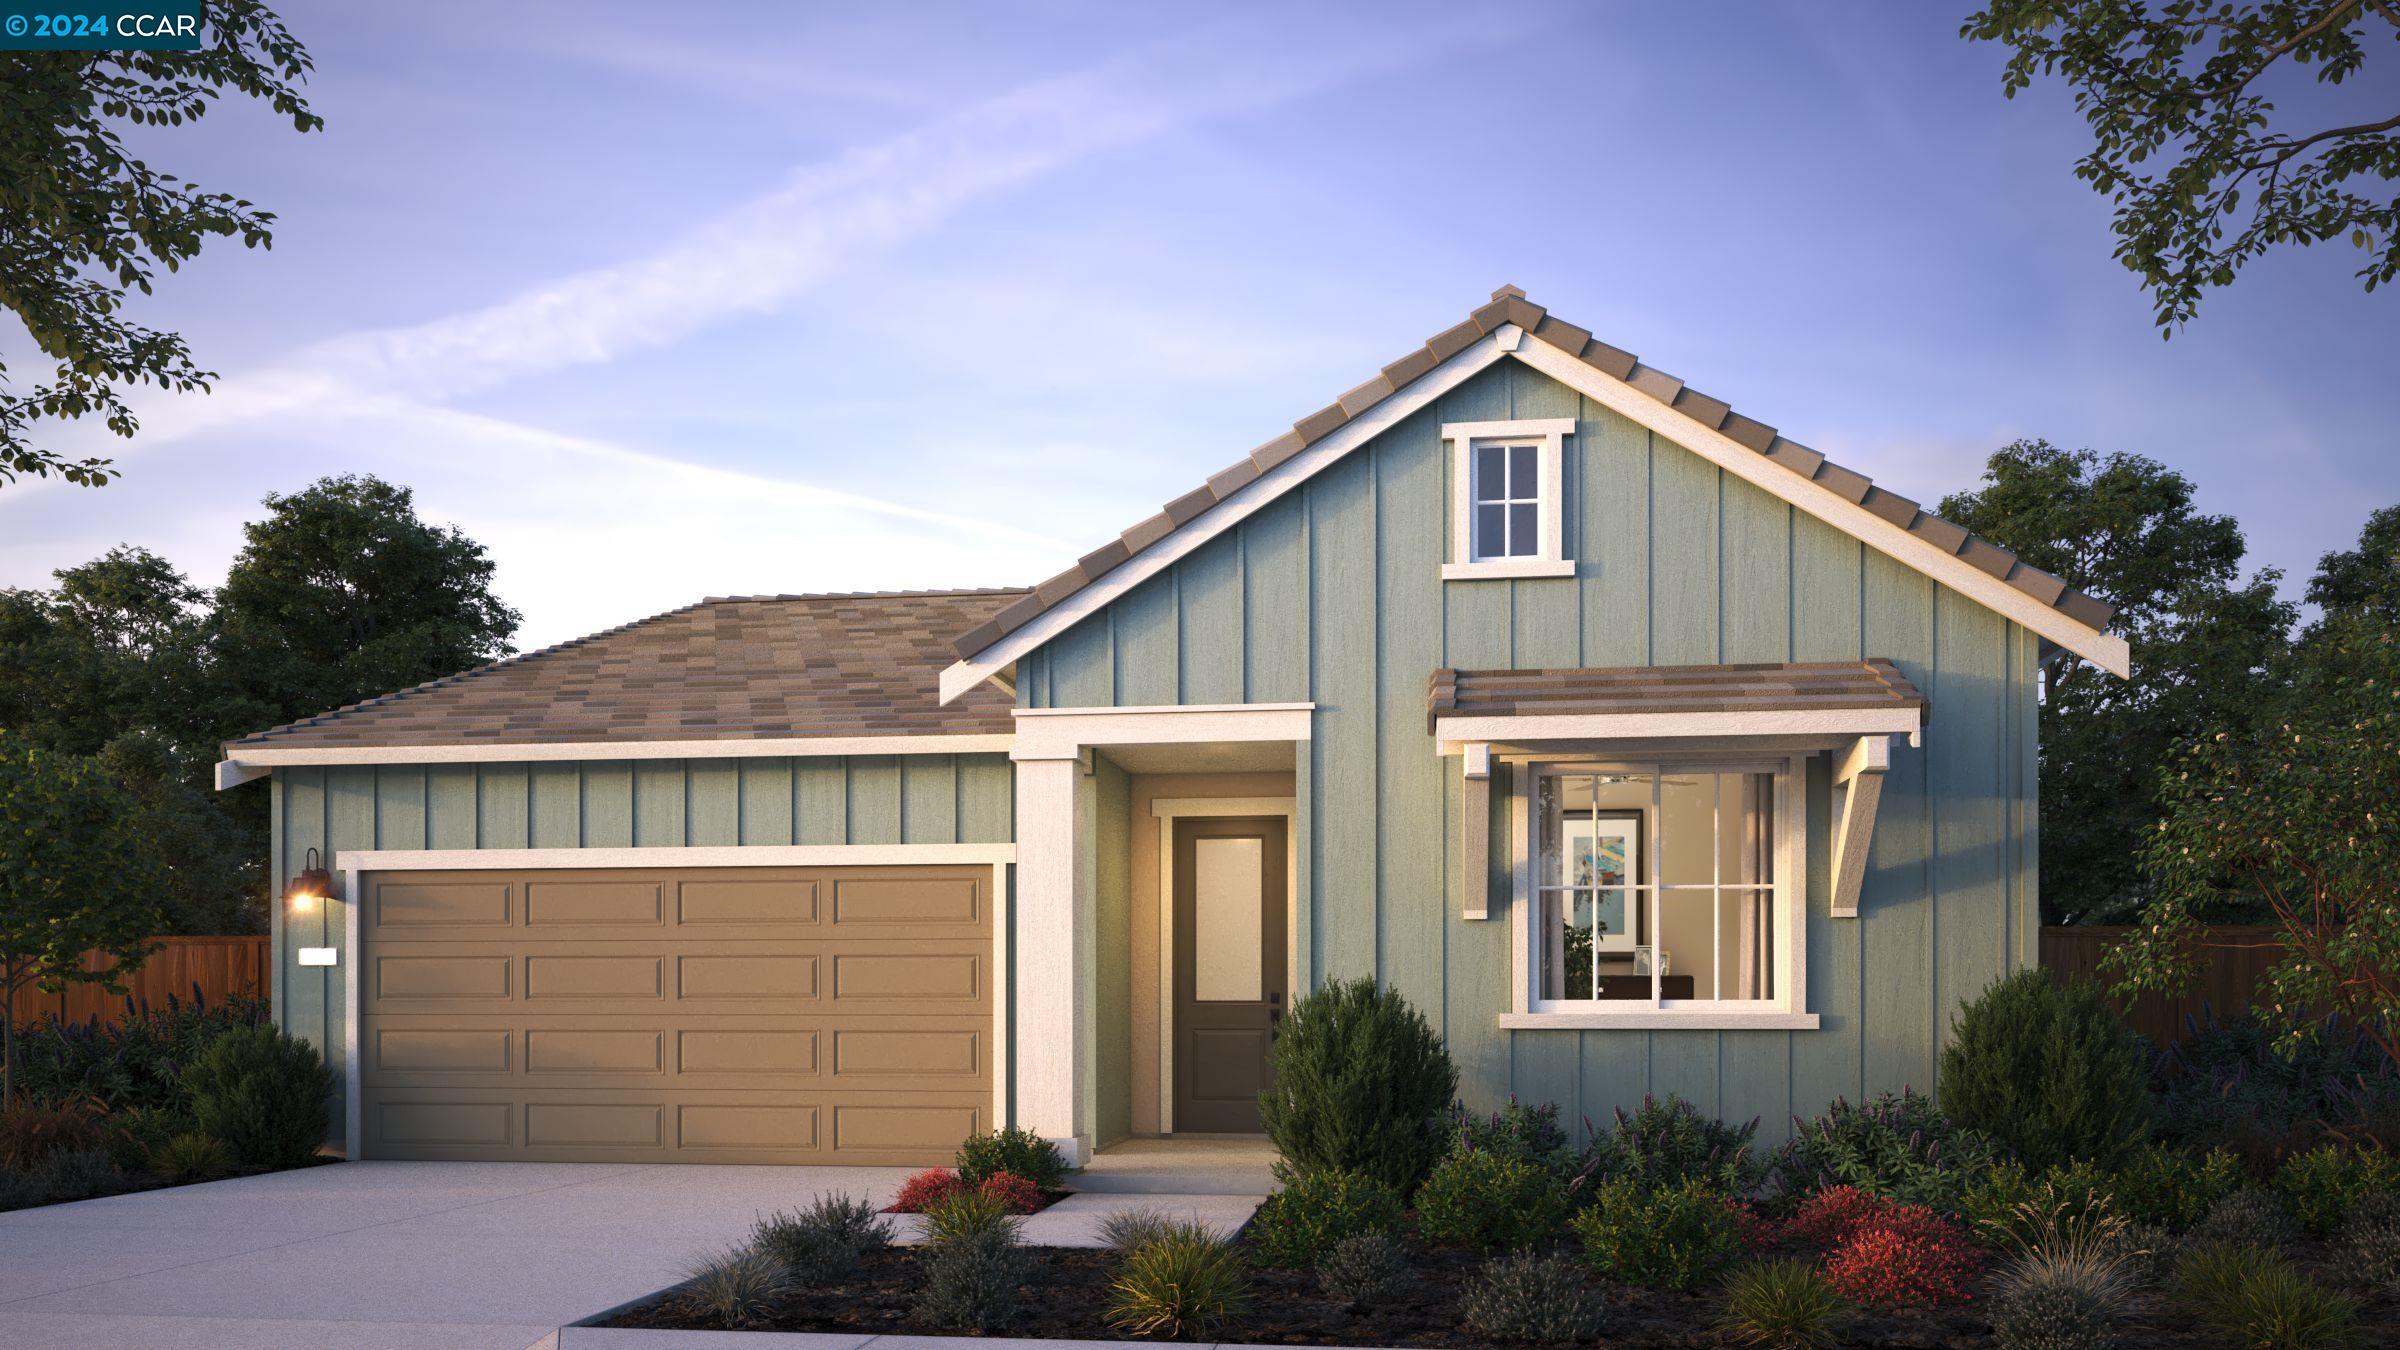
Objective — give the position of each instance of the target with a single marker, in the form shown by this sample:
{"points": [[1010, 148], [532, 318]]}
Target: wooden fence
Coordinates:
{"points": [[2228, 980], [216, 966]]}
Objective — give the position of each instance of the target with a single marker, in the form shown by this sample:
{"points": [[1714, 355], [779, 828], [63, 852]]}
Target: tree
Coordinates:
{"points": [[2300, 815], [73, 877], [2189, 143], [341, 594], [2365, 579], [84, 224], [112, 648], [2124, 529]]}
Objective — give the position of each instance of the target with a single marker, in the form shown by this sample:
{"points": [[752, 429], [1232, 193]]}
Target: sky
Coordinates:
{"points": [[659, 302]]}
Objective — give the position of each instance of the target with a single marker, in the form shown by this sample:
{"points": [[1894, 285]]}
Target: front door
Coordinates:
{"points": [[1229, 968]]}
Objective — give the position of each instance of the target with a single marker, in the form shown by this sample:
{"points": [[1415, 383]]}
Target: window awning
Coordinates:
{"points": [[1852, 708], [1832, 700]]}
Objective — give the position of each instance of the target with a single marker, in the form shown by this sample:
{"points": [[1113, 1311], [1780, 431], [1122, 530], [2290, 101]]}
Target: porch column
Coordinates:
{"points": [[1053, 941]]}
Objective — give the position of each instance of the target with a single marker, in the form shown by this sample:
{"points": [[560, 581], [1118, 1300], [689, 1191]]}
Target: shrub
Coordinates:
{"points": [[1361, 1084], [1895, 1146], [2321, 1185], [2172, 1187], [1185, 1283], [1906, 1256], [2012, 1209], [971, 1280], [192, 1156], [137, 1134], [1675, 1237], [1363, 1268], [925, 1190], [1489, 1200], [31, 1131], [2229, 1082], [134, 1062], [1664, 1143], [1013, 1150], [743, 1289], [1126, 1229], [2049, 1070], [2068, 1292], [969, 1214], [1783, 1305], [2250, 1218], [1826, 1220], [824, 1242], [1516, 1130], [1018, 1193], [75, 1174], [2257, 1295], [1531, 1296], [1315, 1210], [263, 1093], [2048, 1315], [2367, 1258]]}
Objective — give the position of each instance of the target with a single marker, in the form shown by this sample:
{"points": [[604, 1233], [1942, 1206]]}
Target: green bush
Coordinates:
{"points": [[2068, 1291], [1898, 1147], [1515, 1131], [263, 1093], [1361, 1085], [2251, 1217], [1491, 1200], [970, 1281], [1532, 1296], [2258, 1296], [1675, 1237], [77, 1174], [2244, 1083], [2173, 1188], [823, 1242], [2011, 1207], [1185, 1283], [744, 1289], [1781, 1305], [1015, 1150], [1315, 1210], [2049, 1070], [134, 1062], [1664, 1143], [2366, 1257], [2322, 1184], [192, 1156], [1363, 1268], [967, 1215]]}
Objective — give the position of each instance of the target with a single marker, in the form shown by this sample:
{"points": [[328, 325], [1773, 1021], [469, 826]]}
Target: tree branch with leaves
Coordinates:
{"points": [[84, 225], [2207, 172]]}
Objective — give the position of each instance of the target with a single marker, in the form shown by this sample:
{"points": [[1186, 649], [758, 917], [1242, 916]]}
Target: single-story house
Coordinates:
{"points": [[1643, 748]]}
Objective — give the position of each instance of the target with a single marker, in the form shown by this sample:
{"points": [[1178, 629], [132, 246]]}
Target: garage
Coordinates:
{"points": [[706, 1015]]}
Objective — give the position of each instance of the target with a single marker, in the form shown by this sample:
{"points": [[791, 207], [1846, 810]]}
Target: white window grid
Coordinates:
{"points": [[1519, 464], [1777, 932]]}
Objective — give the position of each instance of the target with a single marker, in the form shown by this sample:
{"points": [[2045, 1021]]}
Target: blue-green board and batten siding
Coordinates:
{"points": [[1333, 594], [658, 803]]}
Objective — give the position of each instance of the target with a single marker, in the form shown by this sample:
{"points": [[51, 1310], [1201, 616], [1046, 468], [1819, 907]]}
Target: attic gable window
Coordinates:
{"points": [[1507, 485]]}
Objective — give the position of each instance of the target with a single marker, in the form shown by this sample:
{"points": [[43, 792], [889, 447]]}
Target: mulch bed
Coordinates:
{"points": [[1065, 1295]]}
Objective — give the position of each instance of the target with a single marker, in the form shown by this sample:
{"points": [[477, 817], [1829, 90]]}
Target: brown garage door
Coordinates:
{"points": [[782, 1015]]}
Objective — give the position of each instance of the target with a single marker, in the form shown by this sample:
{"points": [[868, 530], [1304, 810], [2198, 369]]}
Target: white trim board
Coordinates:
{"points": [[243, 766], [965, 674], [351, 865], [1065, 733], [2106, 650], [1168, 810]]}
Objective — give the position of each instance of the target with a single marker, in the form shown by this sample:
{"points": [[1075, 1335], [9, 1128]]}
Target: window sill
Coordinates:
{"points": [[1658, 1019], [1504, 569]]}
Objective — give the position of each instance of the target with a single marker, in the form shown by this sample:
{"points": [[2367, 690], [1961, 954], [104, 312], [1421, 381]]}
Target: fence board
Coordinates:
{"points": [[2228, 980], [217, 966]]}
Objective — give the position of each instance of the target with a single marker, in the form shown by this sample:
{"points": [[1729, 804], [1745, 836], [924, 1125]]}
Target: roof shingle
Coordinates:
{"points": [[1792, 687]]}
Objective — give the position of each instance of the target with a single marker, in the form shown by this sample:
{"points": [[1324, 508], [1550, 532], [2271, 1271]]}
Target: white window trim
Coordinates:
{"points": [[1786, 1012], [1548, 433]]}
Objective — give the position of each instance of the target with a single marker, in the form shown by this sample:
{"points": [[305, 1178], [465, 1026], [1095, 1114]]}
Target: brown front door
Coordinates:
{"points": [[1229, 968]]}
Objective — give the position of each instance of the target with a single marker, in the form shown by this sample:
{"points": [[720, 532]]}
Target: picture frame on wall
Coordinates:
{"points": [[1604, 851]]}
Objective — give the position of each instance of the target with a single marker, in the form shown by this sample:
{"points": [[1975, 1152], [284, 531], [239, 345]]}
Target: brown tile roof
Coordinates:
{"points": [[1509, 305], [1807, 686], [733, 668]]}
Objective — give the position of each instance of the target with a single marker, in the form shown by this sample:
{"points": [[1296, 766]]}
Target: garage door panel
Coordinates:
{"points": [[714, 1015]]}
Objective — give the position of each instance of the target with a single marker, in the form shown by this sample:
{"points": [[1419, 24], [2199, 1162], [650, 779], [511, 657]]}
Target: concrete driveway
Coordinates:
{"points": [[381, 1254]]}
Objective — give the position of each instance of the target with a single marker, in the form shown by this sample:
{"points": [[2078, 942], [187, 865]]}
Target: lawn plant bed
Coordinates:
{"points": [[1064, 1297]]}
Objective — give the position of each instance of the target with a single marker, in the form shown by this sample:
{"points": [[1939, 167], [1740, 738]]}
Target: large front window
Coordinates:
{"points": [[1659, 886]]}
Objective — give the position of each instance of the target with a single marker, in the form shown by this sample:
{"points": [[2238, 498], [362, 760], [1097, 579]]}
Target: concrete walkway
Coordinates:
{"points": [[420, 1256], [444, 1256]]}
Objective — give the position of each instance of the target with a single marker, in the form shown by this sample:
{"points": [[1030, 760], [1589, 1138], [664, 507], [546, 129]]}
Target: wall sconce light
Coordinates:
{"points": [[310, 888]]}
